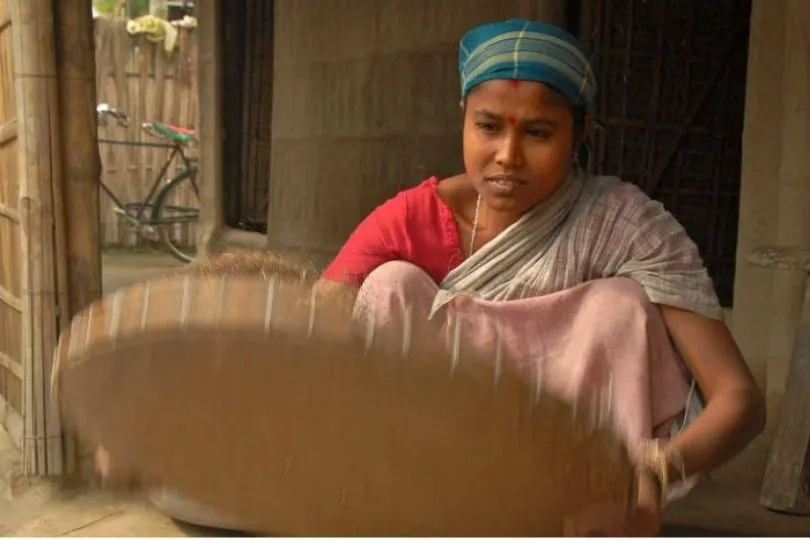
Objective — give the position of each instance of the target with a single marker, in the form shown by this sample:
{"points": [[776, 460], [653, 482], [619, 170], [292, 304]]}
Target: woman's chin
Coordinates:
{"points": [[512, 202]]}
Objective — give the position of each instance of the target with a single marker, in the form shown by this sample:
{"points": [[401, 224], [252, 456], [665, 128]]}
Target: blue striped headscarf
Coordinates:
{"points": [[527, 51]]}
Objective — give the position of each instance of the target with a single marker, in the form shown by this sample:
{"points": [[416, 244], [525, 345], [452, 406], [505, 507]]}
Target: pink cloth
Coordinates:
{"points": [[576, 340]]}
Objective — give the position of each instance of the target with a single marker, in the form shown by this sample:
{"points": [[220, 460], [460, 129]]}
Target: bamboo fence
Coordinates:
{"points": [[149, 84], [42, 264], [11, 277], [49, 169]]}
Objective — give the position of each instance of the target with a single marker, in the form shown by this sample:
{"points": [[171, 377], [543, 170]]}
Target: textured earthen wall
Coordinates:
{"points": [[366, 102]]}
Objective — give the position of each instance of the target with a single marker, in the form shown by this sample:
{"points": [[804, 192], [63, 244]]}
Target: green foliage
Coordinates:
{"points": [[107, 7], [135, 8], [138, 7]]}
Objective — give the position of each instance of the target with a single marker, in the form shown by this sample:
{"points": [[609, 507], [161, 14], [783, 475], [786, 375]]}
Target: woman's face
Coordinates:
{"points": [[518, 143]]}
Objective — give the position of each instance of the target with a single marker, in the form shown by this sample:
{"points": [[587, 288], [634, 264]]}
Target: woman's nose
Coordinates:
{"points": [[510, 152]]}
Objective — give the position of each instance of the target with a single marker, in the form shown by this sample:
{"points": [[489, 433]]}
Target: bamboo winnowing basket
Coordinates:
{"points": [[238, 386]]}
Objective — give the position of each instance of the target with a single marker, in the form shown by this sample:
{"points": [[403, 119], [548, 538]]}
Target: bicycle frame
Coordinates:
{"points": [[143, 205]]}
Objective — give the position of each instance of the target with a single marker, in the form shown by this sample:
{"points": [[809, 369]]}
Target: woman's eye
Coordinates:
{"points": [[538, 133], [487, 126]]}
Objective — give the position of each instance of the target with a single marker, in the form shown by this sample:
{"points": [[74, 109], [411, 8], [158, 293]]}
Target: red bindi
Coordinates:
{"points": [[515, 83], [511, 119]]}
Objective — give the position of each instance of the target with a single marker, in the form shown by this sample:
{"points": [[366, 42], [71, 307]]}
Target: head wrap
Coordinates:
{"points": [[528, 51]]}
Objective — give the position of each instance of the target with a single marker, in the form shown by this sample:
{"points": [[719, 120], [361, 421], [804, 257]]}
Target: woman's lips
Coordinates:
{"points": [[505, 184]]}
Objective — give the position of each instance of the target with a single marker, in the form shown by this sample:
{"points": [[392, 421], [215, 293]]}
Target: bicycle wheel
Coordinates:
{"points": [[177, 211]]}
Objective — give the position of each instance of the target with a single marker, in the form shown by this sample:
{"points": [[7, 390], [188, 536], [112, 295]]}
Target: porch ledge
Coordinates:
{"points": [[231, 238], [781, 258]]}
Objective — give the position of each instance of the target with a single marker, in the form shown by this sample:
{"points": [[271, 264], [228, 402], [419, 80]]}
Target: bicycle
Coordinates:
{"points": [[156, 213]]}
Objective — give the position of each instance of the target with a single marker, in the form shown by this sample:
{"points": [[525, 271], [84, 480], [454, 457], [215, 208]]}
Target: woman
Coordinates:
{"points": [[523, 234]]}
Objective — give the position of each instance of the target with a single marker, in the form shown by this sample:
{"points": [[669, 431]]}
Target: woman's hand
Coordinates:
{"points": [[112, 475], [615, 519]]}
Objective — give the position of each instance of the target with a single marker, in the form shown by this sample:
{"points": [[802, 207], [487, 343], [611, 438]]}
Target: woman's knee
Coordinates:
{"points": [[621, 299], [396, 283], [396, 271]]}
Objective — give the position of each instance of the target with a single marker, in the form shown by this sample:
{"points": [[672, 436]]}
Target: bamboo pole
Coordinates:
{"points": [[40, 205], [21, 32], [53, 247], [209, 70], [79, 259], [75, 65]]}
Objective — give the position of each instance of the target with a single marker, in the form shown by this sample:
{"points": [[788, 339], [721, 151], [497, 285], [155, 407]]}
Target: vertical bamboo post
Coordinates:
{"points": [[79, 264], [209, 36], [17, 31], [23, 31], [35, 87]]}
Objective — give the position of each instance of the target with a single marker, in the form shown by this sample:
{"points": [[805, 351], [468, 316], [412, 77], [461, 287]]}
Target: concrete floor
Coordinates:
{"points": [[122, 268], [40, 508]]}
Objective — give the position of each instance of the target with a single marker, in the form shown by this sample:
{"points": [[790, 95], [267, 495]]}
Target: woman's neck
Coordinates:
{"points": [[493, 221], [462, 198]]}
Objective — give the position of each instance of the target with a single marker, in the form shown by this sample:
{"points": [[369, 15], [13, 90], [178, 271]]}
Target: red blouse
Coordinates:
{"points": [[416, 226]]}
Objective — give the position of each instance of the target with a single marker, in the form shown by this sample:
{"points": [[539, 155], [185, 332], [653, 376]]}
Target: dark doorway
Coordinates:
{"points": [[672, 95], [247, 59]]}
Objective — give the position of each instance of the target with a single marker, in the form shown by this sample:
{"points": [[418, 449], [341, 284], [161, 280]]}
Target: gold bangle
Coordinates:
{"points": [[655, 460]]}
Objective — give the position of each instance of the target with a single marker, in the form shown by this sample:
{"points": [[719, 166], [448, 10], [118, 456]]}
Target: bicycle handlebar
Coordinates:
{"points": [[104, 111], [182, 137], [185, 137]]}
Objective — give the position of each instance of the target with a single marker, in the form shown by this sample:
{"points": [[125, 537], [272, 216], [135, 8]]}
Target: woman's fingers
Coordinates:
{"points": [[112, 477], [102, 461]]}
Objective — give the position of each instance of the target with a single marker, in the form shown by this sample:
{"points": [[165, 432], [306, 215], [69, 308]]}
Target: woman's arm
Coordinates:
{"points": [[375, 241], [656, 251], [735, 408], [734, 415]]}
